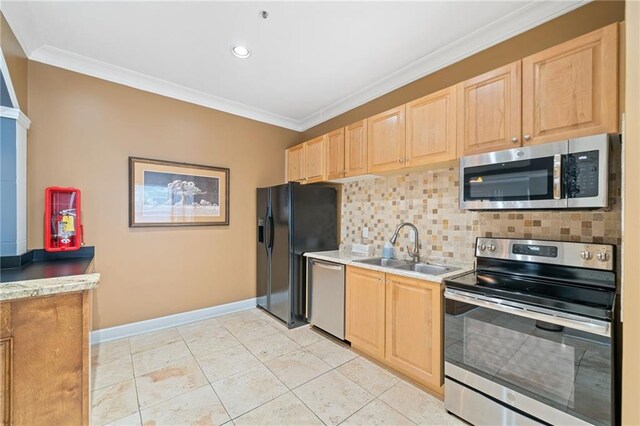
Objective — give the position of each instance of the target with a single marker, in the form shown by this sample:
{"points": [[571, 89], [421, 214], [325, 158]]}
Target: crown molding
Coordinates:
{"points": [[519, 21], [527, 17], [81, 64]]}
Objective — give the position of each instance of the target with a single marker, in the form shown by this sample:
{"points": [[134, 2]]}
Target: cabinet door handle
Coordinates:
{"points": [[527, 137], [401, 160], [514, 139]]}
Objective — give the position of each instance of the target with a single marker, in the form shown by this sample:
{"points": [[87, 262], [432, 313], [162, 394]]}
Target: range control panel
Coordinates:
{"points": [[594, 256], [535, 250]]}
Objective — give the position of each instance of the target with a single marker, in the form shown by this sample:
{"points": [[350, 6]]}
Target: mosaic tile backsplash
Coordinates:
{"points": [[429, 199]]}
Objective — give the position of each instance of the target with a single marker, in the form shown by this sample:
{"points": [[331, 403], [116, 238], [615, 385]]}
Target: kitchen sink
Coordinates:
{"points": [[421, 268], [427, 268], [387, 263]]}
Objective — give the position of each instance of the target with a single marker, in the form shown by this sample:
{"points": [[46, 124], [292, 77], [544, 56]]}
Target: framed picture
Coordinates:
{"points": [[164, 193]]}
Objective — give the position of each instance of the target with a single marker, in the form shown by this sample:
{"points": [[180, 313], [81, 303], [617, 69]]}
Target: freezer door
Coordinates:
{"points": [[263, 255], [315, 218], [279, 243]]}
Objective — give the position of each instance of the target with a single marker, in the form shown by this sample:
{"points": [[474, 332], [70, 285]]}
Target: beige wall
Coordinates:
{"points": [[631, 239], [16, 62], [578, 22], [83, 131]]}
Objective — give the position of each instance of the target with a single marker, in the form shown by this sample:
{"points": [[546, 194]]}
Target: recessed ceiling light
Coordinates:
{"points": [[241, 52]]}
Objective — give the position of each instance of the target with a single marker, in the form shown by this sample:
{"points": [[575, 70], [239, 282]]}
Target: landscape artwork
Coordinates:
{"points": [[165, 193]]}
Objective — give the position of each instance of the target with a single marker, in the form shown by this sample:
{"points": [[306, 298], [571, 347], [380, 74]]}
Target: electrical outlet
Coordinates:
{"points": [[365, 232], [412, 236]]}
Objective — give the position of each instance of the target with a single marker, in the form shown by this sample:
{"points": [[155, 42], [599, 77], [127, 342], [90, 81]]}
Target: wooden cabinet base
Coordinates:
{"points": [[397, 320], [49, 358], [414, 329]]}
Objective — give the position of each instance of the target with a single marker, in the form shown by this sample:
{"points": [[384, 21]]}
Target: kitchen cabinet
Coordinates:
{"points": [[6, 353], [365, 311], [295, 163], [570, 90], [45, 360], [414, 329], [355, 150], [335, 154], [5, 380], [397, 320], [489, 111], [567, 91], [386, 140], [314, 159], [431, 128]]}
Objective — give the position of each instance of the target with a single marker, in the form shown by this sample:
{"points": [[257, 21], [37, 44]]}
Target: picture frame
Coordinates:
{"points": [[167, 193]]}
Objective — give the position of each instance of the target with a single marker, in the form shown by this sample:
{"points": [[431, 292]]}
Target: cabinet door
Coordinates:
{"points": [[355, 139], [431, 128], [386, 140], [295, 163], [489, 111], [335, 154], [571, 89], [5, 380], [315, 159], [414, 329], [365, 311]]}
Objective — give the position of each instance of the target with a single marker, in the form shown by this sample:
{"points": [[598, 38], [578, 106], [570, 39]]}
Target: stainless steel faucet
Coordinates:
{"points": [[415, 253]]}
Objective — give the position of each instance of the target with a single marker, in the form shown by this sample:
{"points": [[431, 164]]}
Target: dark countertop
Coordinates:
{"points": [[39, 264]]}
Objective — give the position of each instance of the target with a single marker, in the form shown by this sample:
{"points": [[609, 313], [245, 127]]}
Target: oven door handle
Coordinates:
{"points": [[588, 325]]}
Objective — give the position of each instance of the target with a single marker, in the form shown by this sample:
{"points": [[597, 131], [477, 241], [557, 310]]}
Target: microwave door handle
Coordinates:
{"points": [[557, 176]]}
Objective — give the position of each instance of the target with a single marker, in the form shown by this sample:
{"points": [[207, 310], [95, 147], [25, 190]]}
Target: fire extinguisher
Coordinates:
{"points": [[63, 228]]}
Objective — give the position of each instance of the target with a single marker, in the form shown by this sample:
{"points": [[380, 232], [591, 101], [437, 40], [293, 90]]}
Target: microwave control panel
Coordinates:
{"points": [[582, 174]]}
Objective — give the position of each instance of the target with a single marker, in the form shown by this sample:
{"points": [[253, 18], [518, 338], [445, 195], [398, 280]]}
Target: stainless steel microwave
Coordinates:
{"points": [[573, 173]]}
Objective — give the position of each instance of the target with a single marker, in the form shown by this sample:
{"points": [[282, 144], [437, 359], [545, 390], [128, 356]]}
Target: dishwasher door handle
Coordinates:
{"points": [[327, 265]]}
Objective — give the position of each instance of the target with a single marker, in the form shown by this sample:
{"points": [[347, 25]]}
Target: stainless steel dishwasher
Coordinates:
{"points": [[325, 297]]}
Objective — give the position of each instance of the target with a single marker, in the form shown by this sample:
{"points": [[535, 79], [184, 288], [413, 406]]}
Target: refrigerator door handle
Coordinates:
{"points": [[271, 231], [310, 263]]}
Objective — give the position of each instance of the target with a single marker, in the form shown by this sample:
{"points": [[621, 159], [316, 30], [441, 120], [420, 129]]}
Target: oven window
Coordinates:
{"points": [[567, 369], [513, 181]]}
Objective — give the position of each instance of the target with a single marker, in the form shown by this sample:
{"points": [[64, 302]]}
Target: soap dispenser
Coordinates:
{"points": [[387, 250]]}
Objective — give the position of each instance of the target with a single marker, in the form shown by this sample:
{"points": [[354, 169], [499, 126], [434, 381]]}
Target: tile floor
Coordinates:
{"points": [[246, 368]]}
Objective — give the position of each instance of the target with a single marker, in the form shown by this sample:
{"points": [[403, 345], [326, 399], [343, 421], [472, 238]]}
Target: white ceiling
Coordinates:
{"points": [[310, 61]]}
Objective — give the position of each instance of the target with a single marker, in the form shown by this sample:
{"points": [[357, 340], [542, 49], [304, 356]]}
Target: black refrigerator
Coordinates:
{"points": [[291, 219]]}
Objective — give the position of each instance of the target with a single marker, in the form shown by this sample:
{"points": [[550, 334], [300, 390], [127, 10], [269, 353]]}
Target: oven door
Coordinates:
{"points": [[553, 366], [521, 178]]}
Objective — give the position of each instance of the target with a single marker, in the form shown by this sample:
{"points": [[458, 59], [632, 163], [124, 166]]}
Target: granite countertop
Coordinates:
{"points": [[38, 273], [351, 258]]}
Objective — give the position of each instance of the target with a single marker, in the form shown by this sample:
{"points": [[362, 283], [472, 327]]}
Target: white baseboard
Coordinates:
{"points": [[134, 328]]}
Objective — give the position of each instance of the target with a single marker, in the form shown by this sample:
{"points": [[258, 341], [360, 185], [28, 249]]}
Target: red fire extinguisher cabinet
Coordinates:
{"points": [[62, 219]]}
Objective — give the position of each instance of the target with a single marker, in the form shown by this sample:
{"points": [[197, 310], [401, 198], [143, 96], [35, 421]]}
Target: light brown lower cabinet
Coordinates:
{"points": [[398, 321], [365, 326], [414, 329], [45, 355]]}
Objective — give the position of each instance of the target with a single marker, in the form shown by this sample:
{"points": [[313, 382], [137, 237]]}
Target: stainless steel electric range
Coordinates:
{"points": [[529, 335]]}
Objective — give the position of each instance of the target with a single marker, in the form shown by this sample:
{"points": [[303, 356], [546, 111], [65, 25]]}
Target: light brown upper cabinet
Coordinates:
{"points": [[365, 310], [295, 163], [571, 89], [414, 329], [386, 140], [431, 128], [335, 154], [315, 159], [489, 111], [355, 150]]}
